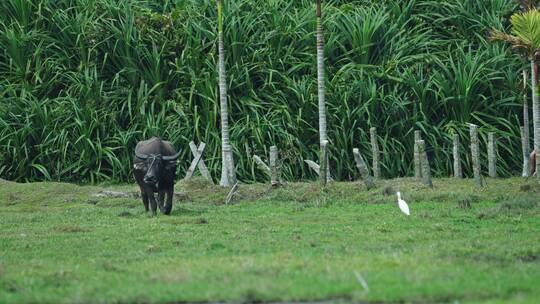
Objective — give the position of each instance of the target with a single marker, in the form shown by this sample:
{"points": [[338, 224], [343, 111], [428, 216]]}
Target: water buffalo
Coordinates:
{"points": [[154, 167]]}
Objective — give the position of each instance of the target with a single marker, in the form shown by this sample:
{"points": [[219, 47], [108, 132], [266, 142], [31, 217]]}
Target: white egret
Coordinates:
{"points": [[402, 204]]}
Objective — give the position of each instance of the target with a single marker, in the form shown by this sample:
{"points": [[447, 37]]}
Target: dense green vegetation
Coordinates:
{"points": [[81, 81], [58, 244]]}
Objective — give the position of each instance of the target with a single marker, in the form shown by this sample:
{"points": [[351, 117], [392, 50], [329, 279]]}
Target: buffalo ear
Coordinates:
{"points": [[140, 155], [170, 165]]}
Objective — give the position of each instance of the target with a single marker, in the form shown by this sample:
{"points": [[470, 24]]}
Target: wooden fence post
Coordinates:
{"points": [[315, 167], [231, 194], [475, 153], [260, 163], [274, 170], [492, 155], [417, 155], [230, 169], [426, 170], [458, 171], [362, 167], [376, 153], [198, 162]]}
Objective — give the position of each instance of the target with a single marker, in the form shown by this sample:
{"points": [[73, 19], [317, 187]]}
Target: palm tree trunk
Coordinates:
{"points": [[321, 81], [526, 133], [536, 109], [227, 168], [320, 76]]}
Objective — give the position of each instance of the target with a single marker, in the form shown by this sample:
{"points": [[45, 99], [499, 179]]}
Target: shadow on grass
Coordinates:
{"points": [[185, 211]]}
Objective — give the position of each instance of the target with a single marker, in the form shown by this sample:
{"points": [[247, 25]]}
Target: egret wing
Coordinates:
{"points": [[404, 207]]}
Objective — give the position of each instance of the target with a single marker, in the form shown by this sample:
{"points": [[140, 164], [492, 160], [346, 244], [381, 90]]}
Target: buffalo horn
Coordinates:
{"points": [[172, 157]]}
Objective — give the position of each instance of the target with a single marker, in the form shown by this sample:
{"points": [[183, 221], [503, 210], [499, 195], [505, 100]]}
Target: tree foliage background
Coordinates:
{"points": [[81, 81]]}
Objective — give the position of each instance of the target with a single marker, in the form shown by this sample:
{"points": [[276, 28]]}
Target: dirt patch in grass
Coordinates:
{"points": [[118, 202], [529, 258], [111, 267], [170, 276], [492, 258], [526, 188], [510, 206], [71, 229], [216, 246], [5, 182], [152, 248], [188, 221], [125, 214], [530, 186], [178, 210], [519, 203], [488, 214], [10, 286], [201, 220], [59, 278], [92, 201], [200, 190], [466, 201], [11, 199], [502, 257], [388, 190]]}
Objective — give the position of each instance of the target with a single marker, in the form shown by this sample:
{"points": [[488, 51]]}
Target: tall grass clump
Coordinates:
{"points": [[82, 81]]}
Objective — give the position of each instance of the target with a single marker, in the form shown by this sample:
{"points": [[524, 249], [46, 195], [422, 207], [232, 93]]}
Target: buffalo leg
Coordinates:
{"points": [[160, 199], [153, 204], [168, 205], [144, 200]]}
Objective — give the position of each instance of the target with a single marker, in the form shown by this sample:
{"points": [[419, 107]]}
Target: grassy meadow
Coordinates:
{"points": [[60, 244], [82, 81]]}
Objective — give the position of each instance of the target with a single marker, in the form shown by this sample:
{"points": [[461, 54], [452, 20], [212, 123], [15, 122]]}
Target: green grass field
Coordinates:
{"points": [[60, 244]]}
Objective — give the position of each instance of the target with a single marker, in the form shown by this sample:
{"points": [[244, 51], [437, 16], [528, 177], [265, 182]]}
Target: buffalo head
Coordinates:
{"points": [[153, 165]]}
